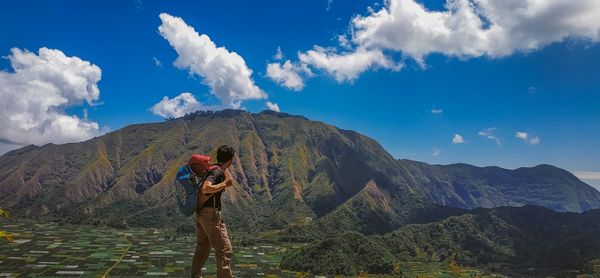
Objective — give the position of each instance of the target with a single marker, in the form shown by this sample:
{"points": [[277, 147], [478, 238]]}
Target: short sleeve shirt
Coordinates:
{"points": [[215, 176]]}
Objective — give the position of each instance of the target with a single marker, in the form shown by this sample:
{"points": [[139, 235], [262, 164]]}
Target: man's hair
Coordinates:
{"points": [[225, 153]]}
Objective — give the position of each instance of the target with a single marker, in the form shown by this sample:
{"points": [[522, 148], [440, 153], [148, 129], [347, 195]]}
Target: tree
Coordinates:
{"points": [[4, 234]]}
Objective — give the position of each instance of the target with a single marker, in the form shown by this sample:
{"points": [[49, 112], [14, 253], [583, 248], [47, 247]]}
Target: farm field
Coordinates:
{"points": [[51, 250]]}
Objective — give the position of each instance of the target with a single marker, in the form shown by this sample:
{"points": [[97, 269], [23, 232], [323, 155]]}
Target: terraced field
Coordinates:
{"points": [[43, 250], [50, 250]]}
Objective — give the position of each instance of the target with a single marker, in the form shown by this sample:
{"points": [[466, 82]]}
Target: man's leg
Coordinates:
{"points": [[219, 239], [202, 244], [223, 250]]}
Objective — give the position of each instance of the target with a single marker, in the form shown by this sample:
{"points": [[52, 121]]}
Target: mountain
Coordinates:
{"points": [[515, 241], [289, 170], [287, 167], [467, 186]]}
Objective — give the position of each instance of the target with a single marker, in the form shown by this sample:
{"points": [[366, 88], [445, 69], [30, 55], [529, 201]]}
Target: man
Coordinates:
{"points": [[211, 230]]}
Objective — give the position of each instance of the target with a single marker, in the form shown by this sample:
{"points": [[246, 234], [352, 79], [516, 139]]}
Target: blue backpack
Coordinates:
{"points": [[187, 188]]}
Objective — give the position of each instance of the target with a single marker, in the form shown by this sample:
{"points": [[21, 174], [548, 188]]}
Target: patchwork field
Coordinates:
{"points": [[42, 250], [50, 250]]}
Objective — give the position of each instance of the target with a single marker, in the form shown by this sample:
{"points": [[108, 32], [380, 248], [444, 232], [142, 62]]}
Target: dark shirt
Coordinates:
{"points": [[215, 176]]}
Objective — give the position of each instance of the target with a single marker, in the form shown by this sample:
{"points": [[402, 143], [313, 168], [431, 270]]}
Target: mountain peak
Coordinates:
{"points": [[230, 113], [285, 162]]}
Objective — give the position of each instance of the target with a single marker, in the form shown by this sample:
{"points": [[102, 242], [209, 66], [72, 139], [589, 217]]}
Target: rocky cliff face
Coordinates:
{"points": [[287, 168]]}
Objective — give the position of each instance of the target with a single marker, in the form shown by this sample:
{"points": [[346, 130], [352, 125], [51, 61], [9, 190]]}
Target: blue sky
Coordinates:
{"points": [[550, 91]]}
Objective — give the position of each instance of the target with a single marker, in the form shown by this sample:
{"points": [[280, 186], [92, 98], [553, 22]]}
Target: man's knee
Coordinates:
{"points": [[224, 252], [226, 249]]}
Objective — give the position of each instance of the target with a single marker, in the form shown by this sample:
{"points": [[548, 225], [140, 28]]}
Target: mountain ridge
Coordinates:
{"points": [[286, 167], [504, 186]]}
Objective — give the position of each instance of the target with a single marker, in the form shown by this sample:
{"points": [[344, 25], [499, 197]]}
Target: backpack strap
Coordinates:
{"points": [[193, 177]]}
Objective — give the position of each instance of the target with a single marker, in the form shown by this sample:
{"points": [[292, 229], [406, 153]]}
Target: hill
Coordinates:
{"points": [[468, 186], [288, 169], [520, 241]]}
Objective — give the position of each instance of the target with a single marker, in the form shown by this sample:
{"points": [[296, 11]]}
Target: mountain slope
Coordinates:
{"points": [[287, 169], [467, 186], [519, 241]]}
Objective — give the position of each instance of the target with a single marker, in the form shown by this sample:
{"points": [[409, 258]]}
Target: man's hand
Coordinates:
{"points": [[228, 181], [209, 187]]}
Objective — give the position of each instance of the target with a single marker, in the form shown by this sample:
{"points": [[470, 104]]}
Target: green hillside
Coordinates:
{"points": [[514, 241], [297, 180]]}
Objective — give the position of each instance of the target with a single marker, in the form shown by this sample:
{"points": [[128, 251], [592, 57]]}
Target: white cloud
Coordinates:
{"points": [[489, 133], [278, 55], [587, 175], [273, 106], [344, 41], [224, 71], [463, 29], [473, 28], [289, 75], [533, 140], [522, 135], [458, 139], [436, 152], [347, 66], [329, 2], [178, 106], [437, 111], [34, 97], [157, 62]]}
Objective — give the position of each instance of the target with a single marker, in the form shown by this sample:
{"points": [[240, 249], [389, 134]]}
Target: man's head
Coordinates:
{"points": [[225, 156]]}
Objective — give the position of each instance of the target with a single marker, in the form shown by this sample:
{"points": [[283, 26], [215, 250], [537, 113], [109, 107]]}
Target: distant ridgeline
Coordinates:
{"points": [[231, 113], [303, 180]]}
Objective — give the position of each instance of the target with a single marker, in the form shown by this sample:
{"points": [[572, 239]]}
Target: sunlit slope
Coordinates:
{"points": [[286, 167]]}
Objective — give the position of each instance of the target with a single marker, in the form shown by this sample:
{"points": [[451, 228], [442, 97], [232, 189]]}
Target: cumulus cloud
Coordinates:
{"points": [[224, 71], [436, 152], [489, 133], [348, 65], [458, 139], [437, 111], [288, 74], [473, 28], [533, 140], [178, 106], [34, 97], [463, 29], [273, 106]]}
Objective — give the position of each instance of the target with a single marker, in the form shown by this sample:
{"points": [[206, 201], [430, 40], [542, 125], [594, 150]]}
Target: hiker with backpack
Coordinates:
{"points": [[199, 188]]}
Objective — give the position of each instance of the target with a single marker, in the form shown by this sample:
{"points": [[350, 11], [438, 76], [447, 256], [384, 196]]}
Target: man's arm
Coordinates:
{"points": [[209, 187]]}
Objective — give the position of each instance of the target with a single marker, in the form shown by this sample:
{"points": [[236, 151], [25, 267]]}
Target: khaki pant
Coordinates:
{"points": [[211, 232]]}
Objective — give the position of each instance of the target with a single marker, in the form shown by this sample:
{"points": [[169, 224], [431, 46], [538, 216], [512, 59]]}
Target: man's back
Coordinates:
{"points": [[210, 228]]}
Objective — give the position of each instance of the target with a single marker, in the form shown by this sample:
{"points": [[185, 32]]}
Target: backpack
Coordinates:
{"points": [[188, 185]]}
